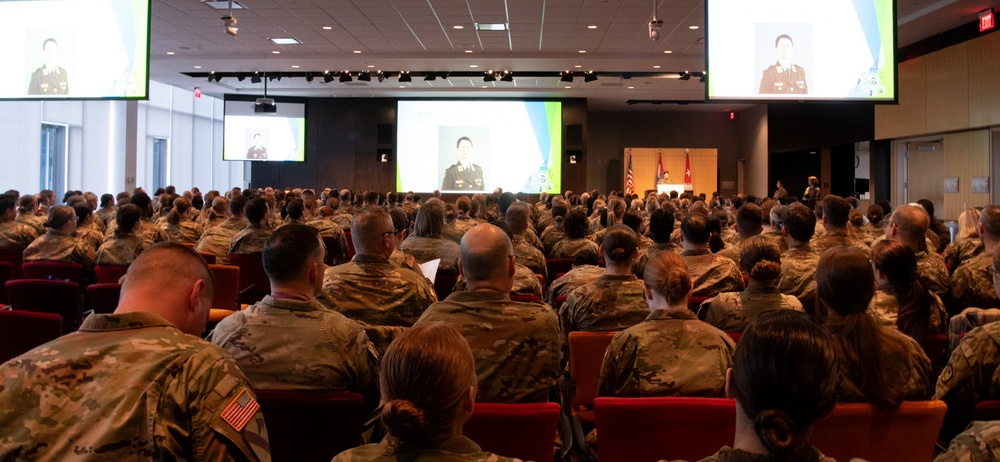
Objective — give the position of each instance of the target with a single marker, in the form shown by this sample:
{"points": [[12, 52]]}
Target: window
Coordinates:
{"points": [[161, 161], [53, 158]]}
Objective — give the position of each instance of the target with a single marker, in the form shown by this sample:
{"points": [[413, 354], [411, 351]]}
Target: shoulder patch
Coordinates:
{"points": [[947, 373], [240, 410]]}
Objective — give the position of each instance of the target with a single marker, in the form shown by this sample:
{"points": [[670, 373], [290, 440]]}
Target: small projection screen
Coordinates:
{"points": [[271, 137]]}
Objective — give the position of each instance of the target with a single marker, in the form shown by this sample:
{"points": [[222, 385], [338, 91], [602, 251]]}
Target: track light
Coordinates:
{"points": [[404, 76], [685, 76], [701, 76], [381, 76], [240, 76], [345, 77], [489, 77], [430, 77], [589, 76], [567, 77], [255, 78], [507, 77], [444, 75], [364, 77], [211, 77], [309, 76], [327, 77]]}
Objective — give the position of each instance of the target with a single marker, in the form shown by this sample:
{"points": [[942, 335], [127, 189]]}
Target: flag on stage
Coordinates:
{"points": [[659, 167], [687, 172], [629, 185]]}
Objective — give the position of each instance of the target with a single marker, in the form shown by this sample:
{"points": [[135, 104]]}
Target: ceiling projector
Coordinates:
{"points": [[265, 106]]}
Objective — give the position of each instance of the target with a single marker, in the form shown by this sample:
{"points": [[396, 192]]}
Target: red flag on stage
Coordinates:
{"points": [[629, 186], [687, 172], [659, 167]]}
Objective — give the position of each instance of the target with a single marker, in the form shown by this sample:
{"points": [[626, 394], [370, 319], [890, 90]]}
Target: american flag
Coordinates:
{"points": [[629, 185], [239, 412]]}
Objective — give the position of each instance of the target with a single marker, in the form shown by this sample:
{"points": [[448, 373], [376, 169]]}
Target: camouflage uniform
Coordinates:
{"points": [[184, 231], [638, 268], [126, 387], [568, 248], [972, 286], [525, 282], [529, 255], [329, 230], [90, 236], [119, 250], [57, 246], [209, 222], [907, 360], [980, 442], [516, 344], [343, 220], [150, 233], [934, 274], [33, 221], [14, 235], [106, 214], [775, 236], [732, 311], [216, 242], [428, 248], [733, 253], [612, 303], [961, 251], [287, 344], [552, 234], [250, 240], [579, 276], [233, 224], [711, 274], [971, 376], [885, 308], [835, 238], [544, 220], [455, 449], [798, 275], [670, 353], [862, 235], [806, 454]]}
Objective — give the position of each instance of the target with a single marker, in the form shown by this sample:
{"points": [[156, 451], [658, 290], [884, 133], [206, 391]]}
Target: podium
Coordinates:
{"points": [[666, 188]]}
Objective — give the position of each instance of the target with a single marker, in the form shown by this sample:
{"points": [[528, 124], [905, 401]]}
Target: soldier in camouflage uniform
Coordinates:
{"points": [[137, 384], [749, 223], [836, 212], [58, 243], [289, 340], [217, 239], [13, 235], [798, 263], [149, 232], [253, 237], [731, 311], [575, 226], [671, 352], [525, 282], [661, 226], [710, 274], [426, 243], [584, 272], [967, 243], [26, 214], [178, 226], [122, 248], [527, 254], [554, 232], [85, 230], [908, 223], [980, 443], [516, 344], [971, 285], [331, 233]]}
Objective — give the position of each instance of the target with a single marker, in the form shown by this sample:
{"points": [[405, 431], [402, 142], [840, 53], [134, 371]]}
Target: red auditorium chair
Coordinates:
{"points": [[40, 295], [525, 298], [559, 302], [934, 346], [695, 302], [209, 258], [586, 353], [350, 245], [53, 270], [103, 298], [306, 426], [16, 259], [254, 284], [653, 429], [444, 284], [525, 431], [987, 410], [21, 331], [5, 275], [556, 266], [866, 432], [107, 274], [227, 292]]}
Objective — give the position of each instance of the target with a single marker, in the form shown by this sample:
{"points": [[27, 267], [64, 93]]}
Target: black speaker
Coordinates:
{"points": [[574, 135], [386, 134]]}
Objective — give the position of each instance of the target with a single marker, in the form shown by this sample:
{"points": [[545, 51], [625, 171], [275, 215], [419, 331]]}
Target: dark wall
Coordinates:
{"points": [[343, 146]]}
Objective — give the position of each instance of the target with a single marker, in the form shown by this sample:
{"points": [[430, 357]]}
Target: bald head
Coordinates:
{"points": [[173, 281], [485, 253], [910, 222]]}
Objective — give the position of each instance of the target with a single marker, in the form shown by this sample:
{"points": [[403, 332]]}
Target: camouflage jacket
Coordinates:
{"points": [[638, 268], [90, 236], [733, 253], [670, 353], [250, 240], [798, 275], [961, 251], [34, 221], [184, 231], [119, 251], [612, 303], [885, 308], [372, 290], [934, 274], [216, 241], [732, 311], [516, 344], [835, 238], [286, 344], [150, 233], [577, 277], [904, 358], [14, 235], [456, 449], [330, 231], [979, 442], [425, 249], [343, 220], [551, 235], [972, 286], [525, 282], [972, 375], [128, 387], [711, 274], [529, 255], [567, 248], [58, 246]]}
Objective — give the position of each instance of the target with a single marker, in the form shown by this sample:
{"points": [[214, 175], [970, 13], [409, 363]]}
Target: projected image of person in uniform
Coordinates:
{"points": [[50, 79], [257, 151], [463, 175], [783, 77]]}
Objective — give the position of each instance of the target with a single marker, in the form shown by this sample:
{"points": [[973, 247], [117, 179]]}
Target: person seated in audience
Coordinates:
{"points": [[98, 223], [977, 443], [772, 224], [972, 372], [671, 352], [660, 227], [331, 233], [124, 246], [401, 225], [874, 216], [731, 311], [85, 231], [217, 239], [107, 211], [13, 235], [583, 273], [971, 285], [289, 340], [879, 365], [527, 254], [216, 214], [710, 274], [516, 344], [902, 300], [858, 229], [798, 263], [554, 231], [178, 225], [834, 216], [784, 380], [428, 387], [938, 233], [149, 232], [370, 288], [294, 212], [611, 216], [59, 243], [749, 223], [967, 243], [575, 225], [341, 214], [136, 384], [252, 238], [463, 221], [616, 300], [426, 243], [525, 280], [27, 213], [909, 224]]}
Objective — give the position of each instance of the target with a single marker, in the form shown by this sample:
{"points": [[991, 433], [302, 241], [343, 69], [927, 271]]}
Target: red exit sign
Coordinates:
{"points": [[986, 20]]}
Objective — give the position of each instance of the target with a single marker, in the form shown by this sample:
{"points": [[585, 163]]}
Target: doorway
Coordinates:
{"points": [[924, 172]]}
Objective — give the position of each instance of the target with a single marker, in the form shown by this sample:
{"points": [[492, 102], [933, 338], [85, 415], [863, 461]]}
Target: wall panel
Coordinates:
{"points": [[948, 89], [967, 154]]}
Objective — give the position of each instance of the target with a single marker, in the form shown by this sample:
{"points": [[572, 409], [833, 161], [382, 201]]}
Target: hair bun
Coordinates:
{"points": [[766, 270], [404, 419], [776, 431]]}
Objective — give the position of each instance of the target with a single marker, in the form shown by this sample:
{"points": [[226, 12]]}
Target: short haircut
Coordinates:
{"points": [[48, 41], [694, 228], [990, 218], [255, 210], [485, 251], [150, 267], [6, 203], [504, 201], [517, 217], [464, 138], [463, 204], [399, 220], [290, 250], [749, 218], [633, 220], [912, 222], [237, 204], [587, 256], [836, 210], [800, 222], [560, 209], [295, 208], [783, 36], [367, 227], [575, 224]]}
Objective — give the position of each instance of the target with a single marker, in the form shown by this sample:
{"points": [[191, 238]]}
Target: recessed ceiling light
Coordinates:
{"points": [[591, 27], [493, 26], [667, 51], [402, 86], [295, 66], [275, 52], [692, 27], [221, 5], [656, 67], [473, 65], [577, 66], [327, 28], [582, 51], [567, 86], [484, 86], [371, 65], [458, 27], [468, 51], [286, 41], [197, 67], [631, 88], [357, 52], [170, 53]]}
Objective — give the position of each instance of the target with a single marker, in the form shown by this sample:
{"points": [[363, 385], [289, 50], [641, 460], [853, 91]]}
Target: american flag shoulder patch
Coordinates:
{"points": [[240, 410]]}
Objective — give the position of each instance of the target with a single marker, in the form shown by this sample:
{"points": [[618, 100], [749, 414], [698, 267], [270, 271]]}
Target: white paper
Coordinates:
{"points": [[430, 268]]}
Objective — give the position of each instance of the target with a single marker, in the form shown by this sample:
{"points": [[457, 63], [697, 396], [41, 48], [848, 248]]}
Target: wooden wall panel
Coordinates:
{"points": [[984, 73], [910, 116], [704, 167], [948, 89], [967, 154]]}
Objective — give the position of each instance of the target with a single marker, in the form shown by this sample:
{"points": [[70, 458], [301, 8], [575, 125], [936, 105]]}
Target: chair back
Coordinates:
{"points": [[333, 251], [735, 336], [526, 431], [44, 296], [53, 270], [210, 258], [21, 331], [110, 274], [695, 302], [559, 302], [5, 275], [307, 426], [16, 259], [103, 298], [652, 429], [444, 284], [987, 410], [864, 431], [227, 287], [254, 284], [555, 266], [934, 346], [351, 252], [586, 353], [525, 298]]}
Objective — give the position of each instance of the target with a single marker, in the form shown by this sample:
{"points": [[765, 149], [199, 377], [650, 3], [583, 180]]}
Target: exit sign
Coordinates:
{"points": [[986, 20]]}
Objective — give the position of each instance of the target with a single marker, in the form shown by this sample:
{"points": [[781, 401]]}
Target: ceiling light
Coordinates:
{"points": [[197, 67], [170, 53], [275, 52], [402, 86], [692, 27], [589, 76], [295, 66], [591, 27], [357, 52], [430, 77], [404, 76], [484, 86], [240, 76], [285, 41], [381, 76], [489, 77], [491, 26], [507, 77], [327, 77], [567, 87], [255, 78], [685, 76], [211, 77], [327, 28], [444, 75], [222, 5], [582, 51], [371, 66], [468, 51], [309, 76], [631, 88], [578, 66], [656, 66], [667, 52], [345, 77], [458, 27], [567, 76], [364, 77], [473, 66]]}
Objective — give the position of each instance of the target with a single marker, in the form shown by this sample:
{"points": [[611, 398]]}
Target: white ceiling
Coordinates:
{"points": [[420, 35]]}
